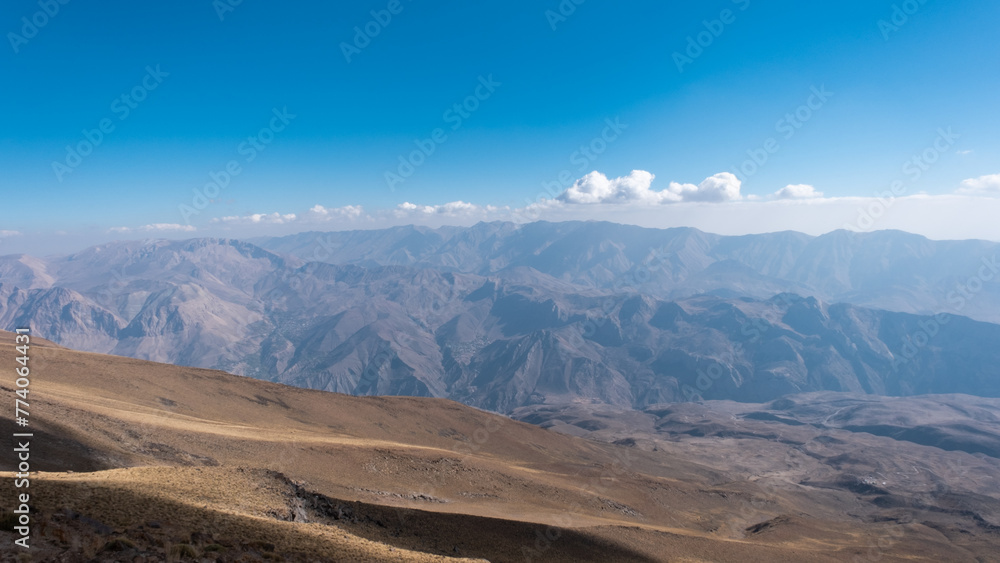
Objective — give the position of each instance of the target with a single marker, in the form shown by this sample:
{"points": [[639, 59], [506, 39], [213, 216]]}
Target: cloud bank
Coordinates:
{"points": [[156, 228], [716, 205], [797, 191], [983, 185], [258, 219], [636, 188]]}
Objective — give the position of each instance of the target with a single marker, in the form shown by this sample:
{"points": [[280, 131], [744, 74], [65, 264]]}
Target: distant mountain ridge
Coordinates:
{"points": [[890, 270], [564, 313]]}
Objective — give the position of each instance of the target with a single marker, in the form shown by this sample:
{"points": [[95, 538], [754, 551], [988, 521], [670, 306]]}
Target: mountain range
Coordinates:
{"points": [[503, 316], [890, 270]]}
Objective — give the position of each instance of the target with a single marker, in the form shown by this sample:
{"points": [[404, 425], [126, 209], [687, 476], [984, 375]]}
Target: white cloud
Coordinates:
{"points": [[320, 213], [156, 227], [597, 188], [983, 185], [718, 188], [257, 219], [636, 188], [964, 152], [715, 205], [797, 191], [169, 227], [452, 209], [7, 234], [316, 214]]}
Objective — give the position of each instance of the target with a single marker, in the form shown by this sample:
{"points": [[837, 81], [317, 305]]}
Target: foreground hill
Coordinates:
{"points": [[511, 339], [137, 459]]}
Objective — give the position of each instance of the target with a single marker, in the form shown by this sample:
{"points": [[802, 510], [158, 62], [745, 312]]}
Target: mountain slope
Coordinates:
{"points": [[890, 270], [170, 460], [500, 342]]}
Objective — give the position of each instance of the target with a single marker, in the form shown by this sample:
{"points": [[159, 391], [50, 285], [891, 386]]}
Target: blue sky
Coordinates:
{"points": [[211, 75]]}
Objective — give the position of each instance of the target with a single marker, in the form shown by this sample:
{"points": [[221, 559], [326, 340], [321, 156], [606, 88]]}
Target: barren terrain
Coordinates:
{"points": [[139, 461]]}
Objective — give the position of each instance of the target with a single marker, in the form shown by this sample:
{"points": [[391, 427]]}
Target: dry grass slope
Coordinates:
{"points": [[148, 462]]}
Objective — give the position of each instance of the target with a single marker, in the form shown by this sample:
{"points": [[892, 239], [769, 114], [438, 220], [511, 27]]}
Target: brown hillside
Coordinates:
{"points": [[144, 461]]}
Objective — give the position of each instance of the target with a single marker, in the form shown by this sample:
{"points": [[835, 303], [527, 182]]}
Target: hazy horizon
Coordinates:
{"points": [[58, 247]]}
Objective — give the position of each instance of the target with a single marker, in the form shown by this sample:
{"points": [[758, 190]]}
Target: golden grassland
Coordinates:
{"points": [[139, 461]]}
